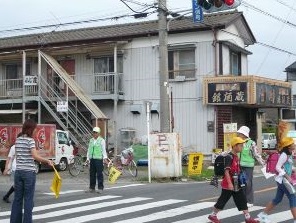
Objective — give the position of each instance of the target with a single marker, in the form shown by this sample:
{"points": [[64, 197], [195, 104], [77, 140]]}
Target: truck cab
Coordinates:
{"points": [[50, 142], [269, 141]]}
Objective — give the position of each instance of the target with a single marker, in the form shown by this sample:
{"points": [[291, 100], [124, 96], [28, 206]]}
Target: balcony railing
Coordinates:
{"points": [[98, 83]]}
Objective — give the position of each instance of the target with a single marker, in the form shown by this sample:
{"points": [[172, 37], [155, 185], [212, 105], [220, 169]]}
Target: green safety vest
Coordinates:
{"points": [[246, 156], [95, 149]]}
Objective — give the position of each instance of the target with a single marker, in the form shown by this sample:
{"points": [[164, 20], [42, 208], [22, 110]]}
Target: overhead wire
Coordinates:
{"points": [[248, 5], [142, 11], [117, 17], [273, 42]]}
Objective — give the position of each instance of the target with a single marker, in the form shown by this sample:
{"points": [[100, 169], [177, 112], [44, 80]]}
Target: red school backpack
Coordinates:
{"points": [[271, 162]]}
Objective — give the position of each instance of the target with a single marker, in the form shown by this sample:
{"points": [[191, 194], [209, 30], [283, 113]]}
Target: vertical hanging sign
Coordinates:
{"points": [[197, 11]]}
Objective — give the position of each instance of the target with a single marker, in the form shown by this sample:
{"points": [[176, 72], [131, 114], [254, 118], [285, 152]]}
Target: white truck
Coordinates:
{"points": [[269, 141], [50, 143]]}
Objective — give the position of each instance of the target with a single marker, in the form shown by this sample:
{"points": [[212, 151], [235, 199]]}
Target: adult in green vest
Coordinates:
{"points": [[96, 156], [248, 156]]}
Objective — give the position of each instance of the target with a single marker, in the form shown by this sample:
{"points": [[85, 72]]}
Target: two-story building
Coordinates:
{"points": [[110, 72]]}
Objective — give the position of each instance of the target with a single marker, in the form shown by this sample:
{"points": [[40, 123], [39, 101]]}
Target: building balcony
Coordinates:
{"points": [[97, 86]]}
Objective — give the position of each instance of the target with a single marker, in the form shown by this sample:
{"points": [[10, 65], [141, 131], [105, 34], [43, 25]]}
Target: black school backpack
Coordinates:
{"points": [[221, 162]]}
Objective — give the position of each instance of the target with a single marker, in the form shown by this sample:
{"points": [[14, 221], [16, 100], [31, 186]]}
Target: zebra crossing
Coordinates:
{"points": [[138, 209]]}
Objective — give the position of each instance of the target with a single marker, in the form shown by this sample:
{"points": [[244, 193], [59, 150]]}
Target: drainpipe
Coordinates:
{"points": [[39, 87], [24, 90], [214, 44], [115, 100]]}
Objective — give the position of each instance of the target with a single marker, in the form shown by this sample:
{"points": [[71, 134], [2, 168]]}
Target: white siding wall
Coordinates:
{"points": [[141, 83]]}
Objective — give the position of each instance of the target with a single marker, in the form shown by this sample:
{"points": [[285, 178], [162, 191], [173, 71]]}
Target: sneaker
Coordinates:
{"points": [[6, 199], [100, 191], [249, 205], [263, 218], [214, 219], [90, 190], [252, 220]]}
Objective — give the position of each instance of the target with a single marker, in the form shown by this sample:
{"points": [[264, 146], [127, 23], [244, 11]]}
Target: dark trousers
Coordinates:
{"points": [[248, 189], [96, 173], [238, 197]]}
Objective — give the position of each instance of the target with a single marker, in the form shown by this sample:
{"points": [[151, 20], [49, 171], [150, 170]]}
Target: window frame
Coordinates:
{"points": [[109, 64], [19, 70], [238, 64], [174, 70]]}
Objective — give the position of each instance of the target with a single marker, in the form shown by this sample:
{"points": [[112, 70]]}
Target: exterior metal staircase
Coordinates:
{"points": [[73, 120]]}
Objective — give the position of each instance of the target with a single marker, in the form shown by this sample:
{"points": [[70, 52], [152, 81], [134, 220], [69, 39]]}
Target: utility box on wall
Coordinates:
{"points": [[165, 155]]}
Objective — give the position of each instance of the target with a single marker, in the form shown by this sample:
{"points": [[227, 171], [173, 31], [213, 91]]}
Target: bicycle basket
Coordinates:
{"points": [[126, 153]]}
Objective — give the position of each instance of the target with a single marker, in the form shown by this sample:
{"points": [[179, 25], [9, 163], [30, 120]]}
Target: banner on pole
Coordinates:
{"points": [[197, 11]]}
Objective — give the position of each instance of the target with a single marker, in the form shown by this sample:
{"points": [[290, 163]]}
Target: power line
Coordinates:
{"points": [[262, 44], [248, 5], [285, 4], [144, 10], [71, 23]]}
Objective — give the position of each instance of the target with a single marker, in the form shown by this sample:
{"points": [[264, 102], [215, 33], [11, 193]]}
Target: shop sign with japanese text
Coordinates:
{"points": [[30, 80], [227, 93], [195, 164], [273, 95]]}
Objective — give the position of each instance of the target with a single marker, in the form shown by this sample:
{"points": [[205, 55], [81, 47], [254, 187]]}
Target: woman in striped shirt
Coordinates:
{"points": [[25, 174]]}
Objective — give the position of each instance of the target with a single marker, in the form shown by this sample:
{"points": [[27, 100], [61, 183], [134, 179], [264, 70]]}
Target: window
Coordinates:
{"points": [[181, 63], [15, 71], [14, 74], [62, 138], [104, 73], [106, 65], [235, 63]]}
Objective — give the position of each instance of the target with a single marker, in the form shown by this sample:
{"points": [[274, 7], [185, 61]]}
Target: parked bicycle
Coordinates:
{"points": [[77, 165], [123, 162]]}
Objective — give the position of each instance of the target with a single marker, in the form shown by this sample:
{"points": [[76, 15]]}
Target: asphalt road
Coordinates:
{"points": [[182, 197]]}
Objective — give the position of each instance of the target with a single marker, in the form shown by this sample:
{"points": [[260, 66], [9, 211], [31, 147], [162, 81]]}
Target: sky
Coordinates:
{"points": [[273, 23]]}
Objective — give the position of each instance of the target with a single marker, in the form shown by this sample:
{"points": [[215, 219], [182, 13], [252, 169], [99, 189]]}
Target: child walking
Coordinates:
{"points": [[284, 169], [230, 187]]}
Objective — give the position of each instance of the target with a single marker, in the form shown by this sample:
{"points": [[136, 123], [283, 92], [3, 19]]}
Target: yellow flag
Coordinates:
{"points": [[56, 183], [113, 175]]}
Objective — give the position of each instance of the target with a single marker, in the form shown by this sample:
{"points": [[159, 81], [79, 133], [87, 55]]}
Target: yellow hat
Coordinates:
{"points": [[237, 140], [286, 141]]}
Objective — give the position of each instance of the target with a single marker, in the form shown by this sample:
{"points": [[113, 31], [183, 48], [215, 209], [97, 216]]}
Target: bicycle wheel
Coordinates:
{"points": [[132, 168], [75, 166]]}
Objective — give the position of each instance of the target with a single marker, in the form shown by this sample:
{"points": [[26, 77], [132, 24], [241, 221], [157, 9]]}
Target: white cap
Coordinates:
{"points": [[244, 130], [96, 129]]}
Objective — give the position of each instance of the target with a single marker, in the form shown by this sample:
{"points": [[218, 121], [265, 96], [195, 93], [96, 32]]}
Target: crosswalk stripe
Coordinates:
{"points": [[119, 211], [88, 207], [222, 214], [124, 186], [85, 205], [63, 204], [64, 192], [280, 217], [109, 188], [170, 213]]}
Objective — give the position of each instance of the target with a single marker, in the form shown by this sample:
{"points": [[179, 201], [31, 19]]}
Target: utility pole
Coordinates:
{"points": [[163, 67]]}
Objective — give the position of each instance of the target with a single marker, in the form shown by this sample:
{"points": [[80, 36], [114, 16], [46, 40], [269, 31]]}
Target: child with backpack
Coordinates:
{"points": [[231, 186], [284, 170]]}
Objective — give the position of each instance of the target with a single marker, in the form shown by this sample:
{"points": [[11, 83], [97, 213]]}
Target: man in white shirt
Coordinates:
{"points": [[10, 167]]}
